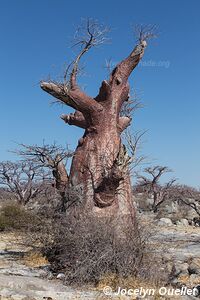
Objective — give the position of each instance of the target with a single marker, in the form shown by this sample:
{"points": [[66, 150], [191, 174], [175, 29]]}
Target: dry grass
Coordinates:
{"points": [[35, 259]]}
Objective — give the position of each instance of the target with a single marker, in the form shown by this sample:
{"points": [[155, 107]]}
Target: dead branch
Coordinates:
{"points": [[132, 104], [145, 32], [89, 34], [133, 143]]}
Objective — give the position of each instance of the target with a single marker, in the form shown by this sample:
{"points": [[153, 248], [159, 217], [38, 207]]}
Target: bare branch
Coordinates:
{"points": [[132, 104], [133, 143], [156, 172], [122, 71], [47, 155], [145, 32], [89, 34]]}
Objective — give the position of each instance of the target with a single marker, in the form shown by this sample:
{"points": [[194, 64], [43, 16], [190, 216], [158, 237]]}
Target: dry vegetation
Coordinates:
{"points": [[88, 251], [85, 249]]}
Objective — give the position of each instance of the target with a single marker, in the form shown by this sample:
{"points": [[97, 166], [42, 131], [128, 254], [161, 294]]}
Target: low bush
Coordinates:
{"points": [[14, 216], [86, 249]]}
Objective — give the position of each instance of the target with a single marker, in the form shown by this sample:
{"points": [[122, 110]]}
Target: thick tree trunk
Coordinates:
{"points": [[99, 168], [100, 164]]}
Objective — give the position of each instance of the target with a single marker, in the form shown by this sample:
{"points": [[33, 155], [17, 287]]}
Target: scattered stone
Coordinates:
{"points": [[180, 268]]}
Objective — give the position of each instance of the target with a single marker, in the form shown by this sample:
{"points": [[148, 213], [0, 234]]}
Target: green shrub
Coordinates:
{"points": [[14, 216]]}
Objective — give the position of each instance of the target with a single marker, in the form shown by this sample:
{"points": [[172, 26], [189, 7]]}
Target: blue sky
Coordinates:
{"points": [[35, 38]]}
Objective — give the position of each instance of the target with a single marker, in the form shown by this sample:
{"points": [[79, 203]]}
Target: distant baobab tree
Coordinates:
{"points": [[51, 157], [100, 162], [149, 183]]}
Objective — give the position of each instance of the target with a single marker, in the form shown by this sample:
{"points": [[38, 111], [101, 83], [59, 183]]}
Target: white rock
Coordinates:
{"points": [[60, 276], [182, 222], [165, 222]]}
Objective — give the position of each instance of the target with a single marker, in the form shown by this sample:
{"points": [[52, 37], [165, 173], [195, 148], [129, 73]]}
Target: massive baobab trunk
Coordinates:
{"points": [[100, 163]]}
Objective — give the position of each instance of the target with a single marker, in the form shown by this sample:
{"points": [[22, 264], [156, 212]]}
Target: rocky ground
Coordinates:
{"points": [[20, 279], [179, 246]]}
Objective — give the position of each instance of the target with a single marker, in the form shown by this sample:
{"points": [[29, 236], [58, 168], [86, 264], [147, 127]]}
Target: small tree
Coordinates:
{"points": [[150, 185], [51, 157], [23, 179]]}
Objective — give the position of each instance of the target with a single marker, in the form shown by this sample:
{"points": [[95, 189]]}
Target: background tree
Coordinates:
{"points": [[23, 179], [100, 163], [52, 157], [151, 186]]}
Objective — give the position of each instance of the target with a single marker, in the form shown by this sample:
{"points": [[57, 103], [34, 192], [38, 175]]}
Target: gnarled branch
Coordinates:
{"points": [[76, 119], [74, 98]]}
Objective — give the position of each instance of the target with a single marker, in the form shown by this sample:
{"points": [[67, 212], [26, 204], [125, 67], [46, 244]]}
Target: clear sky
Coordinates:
{"points": [[35, 36]]}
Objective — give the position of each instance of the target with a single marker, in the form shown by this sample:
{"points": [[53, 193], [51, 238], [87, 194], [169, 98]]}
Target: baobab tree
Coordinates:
{"points": [[23, 179], [100, 162], [188, 196]]}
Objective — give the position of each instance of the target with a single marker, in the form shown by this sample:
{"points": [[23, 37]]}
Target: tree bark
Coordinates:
{"points": [[100, 163]]}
